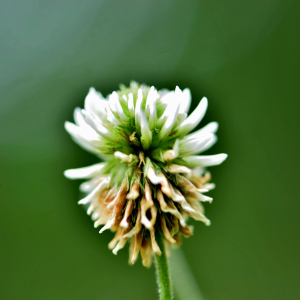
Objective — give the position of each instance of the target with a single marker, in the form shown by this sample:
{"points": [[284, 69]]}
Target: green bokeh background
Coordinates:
{"points": [[243, 55]]}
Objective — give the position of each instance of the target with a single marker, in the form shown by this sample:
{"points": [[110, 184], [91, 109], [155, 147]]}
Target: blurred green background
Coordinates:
{"points": [[243, 55]]}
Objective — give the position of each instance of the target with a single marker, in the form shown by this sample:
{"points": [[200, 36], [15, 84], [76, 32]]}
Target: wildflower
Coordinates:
{"points": [[150, 179]]}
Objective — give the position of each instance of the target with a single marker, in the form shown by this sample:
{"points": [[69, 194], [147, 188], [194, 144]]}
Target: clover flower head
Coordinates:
{"points": [[150, 180]]}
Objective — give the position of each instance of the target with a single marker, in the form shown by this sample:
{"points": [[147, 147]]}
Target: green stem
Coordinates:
{"points": [[162, 271]]}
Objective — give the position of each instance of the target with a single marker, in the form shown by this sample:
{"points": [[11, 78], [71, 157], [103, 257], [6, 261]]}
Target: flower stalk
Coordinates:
{"points": [[163, 271]]}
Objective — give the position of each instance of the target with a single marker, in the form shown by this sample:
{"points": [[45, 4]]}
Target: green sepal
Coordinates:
{"points": [[124, 107], [134, 162], [181, 161], [120, 174], [160, 108], [156, 167], [133, 179], [116, 170], [146, 142], [157, 154], [128, 175], [148, 163]]}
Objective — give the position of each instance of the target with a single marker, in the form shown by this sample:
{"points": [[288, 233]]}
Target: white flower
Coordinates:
{"points": [[152, 177]]}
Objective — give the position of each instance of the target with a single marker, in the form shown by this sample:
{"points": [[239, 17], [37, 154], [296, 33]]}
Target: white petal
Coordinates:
{"points": [[73, 129], [209, 144], [204, 198], [193, 120], [95, 104], [198, 171], [205, 161], [163, 92], [146, 134], [184, 204], [134, 191], [92, 207], [83, 136], [95, 192], [209, 128], [99, 127], [86, 172], [86, 134], [137, 227], [108, 225], [203, 190], [120, 245], [88, 186], [111, 118], [79, 118], [193, 146], [111, 102], [169, 208], [114, 98], [131, 104], [171, 115], [150, 100], [151, 175], [124, 157], [151, 107], [86, 146], [167, 97], [175, 169], [208, 186], [185, 101], [173, 153], [138, 107]]}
